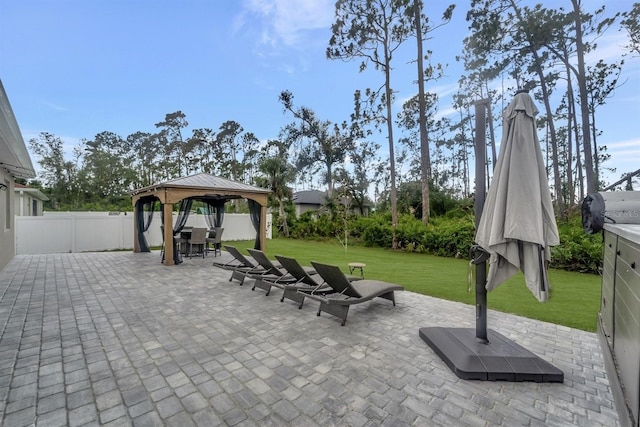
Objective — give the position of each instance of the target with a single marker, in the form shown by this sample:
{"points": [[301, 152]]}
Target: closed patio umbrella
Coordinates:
{"points": [[518, 225], [515, 237]]}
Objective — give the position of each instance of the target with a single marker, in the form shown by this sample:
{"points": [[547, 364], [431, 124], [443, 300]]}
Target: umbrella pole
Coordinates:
{"points": [[481, 265]]}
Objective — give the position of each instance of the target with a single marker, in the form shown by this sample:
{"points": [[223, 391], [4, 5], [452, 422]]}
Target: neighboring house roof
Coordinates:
{"points": [[309, 197], [315, 197], [33, 192], [14, 157]]}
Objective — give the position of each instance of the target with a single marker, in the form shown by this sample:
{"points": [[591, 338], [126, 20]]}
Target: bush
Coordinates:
{"points": [[443, 236], [411, 234], [374, 230], [310, 225], [304, 227], [451, 235], [578, 251]]}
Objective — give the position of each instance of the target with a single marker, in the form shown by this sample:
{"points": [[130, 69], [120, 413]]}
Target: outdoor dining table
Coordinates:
{"points": [[185, 233]]}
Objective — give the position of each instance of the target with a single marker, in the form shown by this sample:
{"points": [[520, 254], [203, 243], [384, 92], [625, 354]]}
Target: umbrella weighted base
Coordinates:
{"points": [[499, 360]]}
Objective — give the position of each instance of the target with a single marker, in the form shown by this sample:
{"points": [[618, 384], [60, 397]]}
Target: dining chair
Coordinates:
{"points": [[199, 238], [216, 241], [211, 236], [180, 244]]}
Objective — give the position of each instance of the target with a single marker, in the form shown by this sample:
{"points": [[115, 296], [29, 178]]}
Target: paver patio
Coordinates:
{"points": [[117, 338]]}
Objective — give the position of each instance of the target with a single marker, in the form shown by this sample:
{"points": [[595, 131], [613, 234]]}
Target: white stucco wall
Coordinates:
{"points": [[7, 224], [24, 202]]}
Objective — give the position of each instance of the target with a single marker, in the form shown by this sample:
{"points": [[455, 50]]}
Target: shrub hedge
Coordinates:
{"points": [[451, 235]]}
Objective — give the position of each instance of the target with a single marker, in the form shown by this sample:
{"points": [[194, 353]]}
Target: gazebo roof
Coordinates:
{"points": [[205, 181]]}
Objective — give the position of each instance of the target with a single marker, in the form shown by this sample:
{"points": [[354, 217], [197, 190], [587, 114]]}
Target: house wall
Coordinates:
{"points": [[24, 202], [302, 208], [356, 211], [7, 223]]}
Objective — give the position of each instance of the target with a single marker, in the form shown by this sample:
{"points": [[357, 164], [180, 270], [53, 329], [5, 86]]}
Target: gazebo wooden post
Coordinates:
{"points": [[263, 229], [168, 233], [136, 243]]}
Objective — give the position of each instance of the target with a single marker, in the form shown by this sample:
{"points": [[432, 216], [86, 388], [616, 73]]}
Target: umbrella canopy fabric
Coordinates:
{"points": [[518, 225]]}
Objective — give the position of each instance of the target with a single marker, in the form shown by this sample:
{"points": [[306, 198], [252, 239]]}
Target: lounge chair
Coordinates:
{"points": [[229, 264], [262, 260], [346, 293], [306, 282], [273, 272], [240, 266]]}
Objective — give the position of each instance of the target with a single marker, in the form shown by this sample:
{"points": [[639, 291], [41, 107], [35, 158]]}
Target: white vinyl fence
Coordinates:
{"points": [[59, 232]]}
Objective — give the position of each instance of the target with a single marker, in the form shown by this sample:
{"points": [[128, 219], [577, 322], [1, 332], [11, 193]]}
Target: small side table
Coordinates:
{"points": [[357, 266]]}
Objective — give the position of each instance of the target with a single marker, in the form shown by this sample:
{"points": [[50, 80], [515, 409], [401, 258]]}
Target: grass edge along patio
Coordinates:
{"points": [[574, 301]]}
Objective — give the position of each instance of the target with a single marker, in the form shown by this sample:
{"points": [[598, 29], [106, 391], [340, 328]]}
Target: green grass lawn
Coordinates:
{"points": [[574, 301]]}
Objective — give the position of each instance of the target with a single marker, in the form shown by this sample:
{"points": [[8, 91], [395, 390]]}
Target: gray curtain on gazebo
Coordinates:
{"points": [[215, 212], [183, 215], [254, 213], [144, 215]]}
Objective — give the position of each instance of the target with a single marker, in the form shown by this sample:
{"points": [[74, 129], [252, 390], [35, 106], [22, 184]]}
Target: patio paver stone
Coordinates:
{"points": [[117, 338]]}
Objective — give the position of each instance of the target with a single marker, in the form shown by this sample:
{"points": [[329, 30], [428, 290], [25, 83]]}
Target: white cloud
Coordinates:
{"points": [[624, 144], [446, 112], [624, 156], [286, 21], [53, 106], [610, 49], [444, 90]]}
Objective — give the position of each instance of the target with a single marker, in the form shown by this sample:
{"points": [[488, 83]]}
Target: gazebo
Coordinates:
{"points": [[211, 190]]}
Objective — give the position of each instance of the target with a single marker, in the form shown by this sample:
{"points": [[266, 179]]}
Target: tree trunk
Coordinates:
{"points": [[580, 177], [283, 215], [329, 179], [584, 102], [552, 130], [392, 160], [545, 96], [596, 154], [571, 105], [492, 137], [425, 160], [576, 131], [466, 172]]}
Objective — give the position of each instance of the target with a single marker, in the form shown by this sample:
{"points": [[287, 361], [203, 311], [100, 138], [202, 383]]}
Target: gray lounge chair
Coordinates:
{"points": [[305, 281], [229, 264], [346, 293], [262, 260], [274, 273], [240, 266]]}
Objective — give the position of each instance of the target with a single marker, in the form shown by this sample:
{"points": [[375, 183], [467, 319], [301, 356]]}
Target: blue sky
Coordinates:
{"points": [[76, 68]]}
